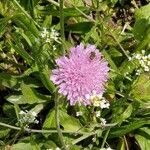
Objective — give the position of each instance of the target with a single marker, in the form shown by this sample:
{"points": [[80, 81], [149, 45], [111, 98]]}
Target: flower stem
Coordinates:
{"points": [[62, 24], [105, 138], [40, 131], [83, 137], [60, 135], [83, 14], [54, 2]]}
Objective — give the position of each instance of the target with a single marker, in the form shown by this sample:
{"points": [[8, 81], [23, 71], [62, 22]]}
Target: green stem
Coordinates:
{"points": [[83, 14], [62, 23], [27, 15], [16, 136], [123, 50], [97, 2], [60, 135], [54, 2], [83, 137], [105, 138], [126, 143], [39, 131]]}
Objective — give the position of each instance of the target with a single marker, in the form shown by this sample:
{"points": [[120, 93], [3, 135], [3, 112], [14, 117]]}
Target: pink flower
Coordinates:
{"points": [[81, 73]]}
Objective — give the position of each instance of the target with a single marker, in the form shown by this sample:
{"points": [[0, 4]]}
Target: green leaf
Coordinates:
{"points": [[37, 108], [3, 24], [146, 130], [81, 27], [46, 81], [120, 131], [121, 145], [9, 110], [8, 80], [68, 122], [22, 146], [22, 99], [143, 141], [143, 12], [126, 114], [32, 95], [141, 88], [29, 96], [22, 53], [143, 43], [69, 12], [27, 24], [109, 59], [17, 99], [127, 67], [113, 52], [50, 120], [141, 28], [23, 34], [49, 144], [4, 132], [29, 5]]}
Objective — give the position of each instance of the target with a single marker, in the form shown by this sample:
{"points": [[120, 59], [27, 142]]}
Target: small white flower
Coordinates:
{"points": [[142, 63], [143, 51], [94, 139], [148, 63], [104, 103], [79, 113], [54, 47], [138, 56], [139, 71], [58, 148], [129, 58], [22, 112], [48, 40], [34, 113], [44, 33], [54, 34], [98, 113], [103, 121], [99, 101]]}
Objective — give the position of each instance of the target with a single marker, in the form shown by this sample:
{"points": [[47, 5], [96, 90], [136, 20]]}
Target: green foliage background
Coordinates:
{"points": [[118, 28]]}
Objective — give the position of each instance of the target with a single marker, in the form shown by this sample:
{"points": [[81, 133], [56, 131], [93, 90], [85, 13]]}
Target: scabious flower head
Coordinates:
{"points": [[81, 73]]}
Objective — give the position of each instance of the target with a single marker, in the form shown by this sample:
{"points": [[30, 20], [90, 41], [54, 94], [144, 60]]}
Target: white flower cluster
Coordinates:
{"points": [[144, 61], [51, 36], [27, 117], [99, 101]]}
